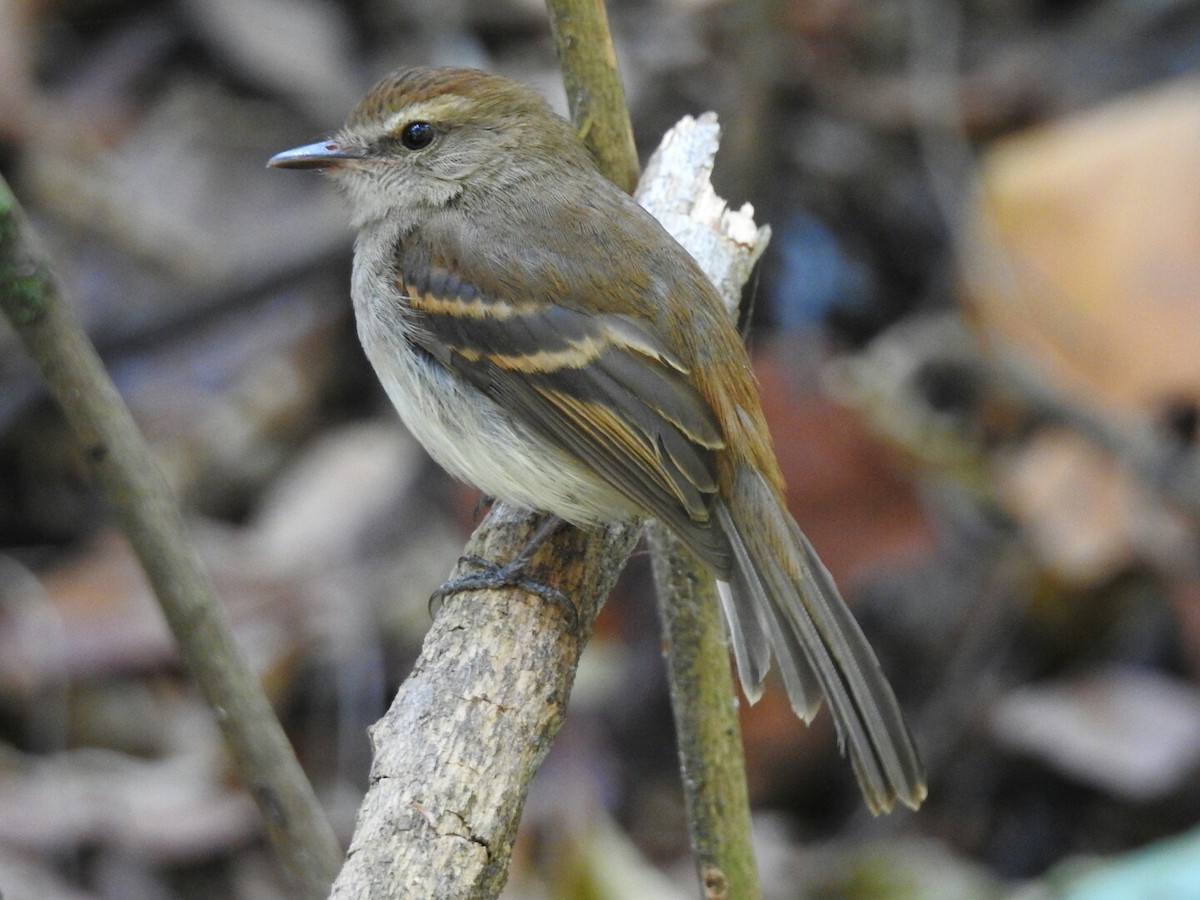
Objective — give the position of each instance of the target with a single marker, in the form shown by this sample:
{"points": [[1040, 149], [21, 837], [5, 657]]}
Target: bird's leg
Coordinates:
{"points": [[493, 576], [484, 502]]}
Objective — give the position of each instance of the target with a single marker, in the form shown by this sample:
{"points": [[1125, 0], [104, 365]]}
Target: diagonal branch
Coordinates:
{"points": [[455, 753]]}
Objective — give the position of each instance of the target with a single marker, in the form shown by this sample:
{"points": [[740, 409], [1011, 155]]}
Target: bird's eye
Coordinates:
{"points": [[417, 135]]}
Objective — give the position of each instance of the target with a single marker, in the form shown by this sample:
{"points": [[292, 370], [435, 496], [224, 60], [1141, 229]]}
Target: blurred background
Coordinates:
{"points": [[977, 331]]}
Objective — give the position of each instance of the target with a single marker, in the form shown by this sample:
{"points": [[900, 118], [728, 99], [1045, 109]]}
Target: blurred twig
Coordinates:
{"points": [[124, 469], [1161, 462]]}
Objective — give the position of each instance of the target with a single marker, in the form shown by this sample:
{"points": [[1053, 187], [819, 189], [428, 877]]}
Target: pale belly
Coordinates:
{"points": [[469, 436]]}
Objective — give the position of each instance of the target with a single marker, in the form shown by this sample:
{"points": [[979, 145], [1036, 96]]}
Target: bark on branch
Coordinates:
{"points": [[455, 754]]}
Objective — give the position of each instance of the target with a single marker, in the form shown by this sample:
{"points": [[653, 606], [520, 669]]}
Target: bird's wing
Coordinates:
{"points": [[602, 387]]}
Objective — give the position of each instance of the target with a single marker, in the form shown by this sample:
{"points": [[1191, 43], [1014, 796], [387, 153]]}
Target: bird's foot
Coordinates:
{"points": [[493, 576]]}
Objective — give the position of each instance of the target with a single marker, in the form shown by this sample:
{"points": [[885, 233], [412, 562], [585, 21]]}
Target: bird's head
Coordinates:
{"points": [[422, 138]]}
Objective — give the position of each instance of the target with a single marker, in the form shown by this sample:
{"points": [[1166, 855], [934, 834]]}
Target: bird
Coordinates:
{"points": [[549, 343]]}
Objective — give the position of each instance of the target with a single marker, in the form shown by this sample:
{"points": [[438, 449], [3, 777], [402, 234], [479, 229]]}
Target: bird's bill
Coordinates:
{"points": [[321, 155]]}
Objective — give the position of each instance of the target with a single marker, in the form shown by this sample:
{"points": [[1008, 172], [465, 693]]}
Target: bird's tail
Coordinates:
{"points": [[781, 600]]}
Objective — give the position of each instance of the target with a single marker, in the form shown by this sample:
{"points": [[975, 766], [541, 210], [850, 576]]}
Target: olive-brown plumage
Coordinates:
{"points": [[550, 343]]}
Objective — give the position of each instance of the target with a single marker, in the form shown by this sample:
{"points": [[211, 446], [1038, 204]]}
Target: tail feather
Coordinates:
{"points": [[782, 595], [750, 603], [751, 651]]}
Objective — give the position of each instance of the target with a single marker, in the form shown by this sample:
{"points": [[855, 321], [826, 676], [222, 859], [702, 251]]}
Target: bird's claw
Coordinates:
{"points": [[494, 576]]}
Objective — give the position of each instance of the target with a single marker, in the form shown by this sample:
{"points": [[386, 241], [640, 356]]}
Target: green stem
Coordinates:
{"points": [[706, 721], [595, 94]]}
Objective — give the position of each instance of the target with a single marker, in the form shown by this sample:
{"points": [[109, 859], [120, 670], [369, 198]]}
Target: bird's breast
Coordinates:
{"points": [[466, 432]]}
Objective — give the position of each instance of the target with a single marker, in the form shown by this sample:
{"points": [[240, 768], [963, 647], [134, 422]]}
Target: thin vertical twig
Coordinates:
{"points": [[702, 691], [704, 705]]}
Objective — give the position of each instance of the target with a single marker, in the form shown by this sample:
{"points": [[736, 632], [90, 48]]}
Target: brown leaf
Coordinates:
{"points": [[1090, 249]]}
